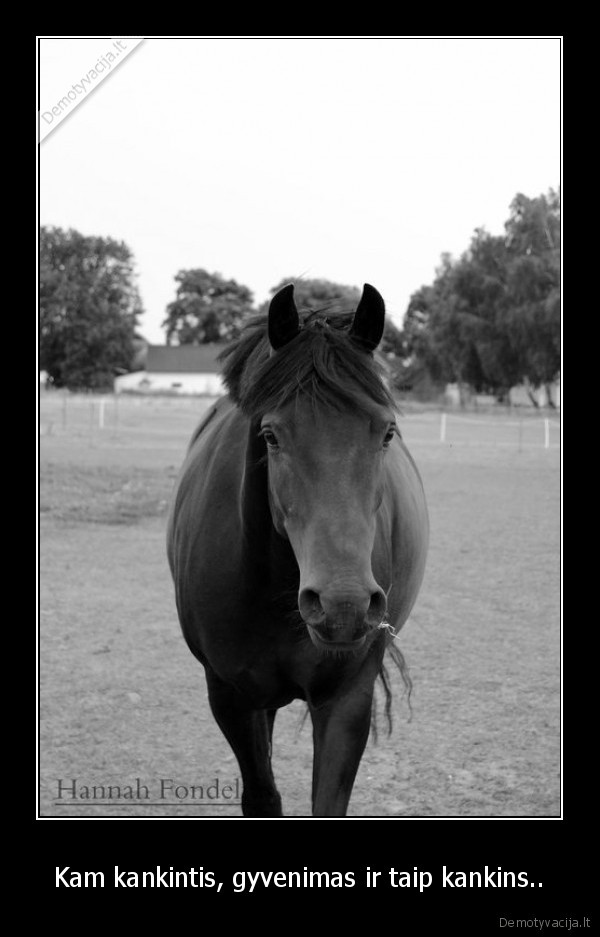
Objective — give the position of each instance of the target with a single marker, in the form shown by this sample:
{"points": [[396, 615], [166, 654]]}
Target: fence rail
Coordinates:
{"points": [[119, 417], [530, 430]]}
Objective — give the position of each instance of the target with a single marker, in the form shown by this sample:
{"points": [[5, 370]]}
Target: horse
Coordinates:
{"points": [[297, 541]]}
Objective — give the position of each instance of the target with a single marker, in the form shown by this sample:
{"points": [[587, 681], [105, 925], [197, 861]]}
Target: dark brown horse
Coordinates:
{"points": [[297, 541]]}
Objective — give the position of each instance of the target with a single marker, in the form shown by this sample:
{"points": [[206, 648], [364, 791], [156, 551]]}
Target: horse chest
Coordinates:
{"points": [[258, 671]]}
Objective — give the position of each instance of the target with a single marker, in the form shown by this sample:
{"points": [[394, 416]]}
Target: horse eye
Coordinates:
{"points": [[269, 437], [388, 437]]}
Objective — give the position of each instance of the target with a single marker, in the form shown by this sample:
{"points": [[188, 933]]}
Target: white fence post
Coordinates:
{"points": [[443, 428], [101, 414], [546, 433]]}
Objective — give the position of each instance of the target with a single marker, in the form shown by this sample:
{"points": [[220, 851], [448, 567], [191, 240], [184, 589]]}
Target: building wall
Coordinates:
{"points": [[147, 382]]}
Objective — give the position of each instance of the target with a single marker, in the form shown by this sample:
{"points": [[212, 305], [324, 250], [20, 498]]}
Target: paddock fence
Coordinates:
{"points": [[127, 419]]}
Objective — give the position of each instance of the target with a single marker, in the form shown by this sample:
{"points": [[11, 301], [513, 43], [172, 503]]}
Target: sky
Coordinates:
{"points": [[355, 159]]}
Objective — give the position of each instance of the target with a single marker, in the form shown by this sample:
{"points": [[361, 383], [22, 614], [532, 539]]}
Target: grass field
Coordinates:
{"points": [[123, 701]]}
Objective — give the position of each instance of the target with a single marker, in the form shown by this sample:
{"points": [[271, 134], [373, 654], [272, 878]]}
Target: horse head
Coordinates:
{"points": [[326, 448]]}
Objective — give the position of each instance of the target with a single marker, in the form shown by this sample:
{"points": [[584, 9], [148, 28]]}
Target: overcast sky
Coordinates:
{"points": [[354, 159]]}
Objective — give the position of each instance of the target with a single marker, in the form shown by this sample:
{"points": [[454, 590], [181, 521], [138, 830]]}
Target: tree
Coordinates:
{"points": [[441, 330], [320, 294], [533, 285], [491, 319], [89, 306], [426, 332], [480, 287], [208, 308]]}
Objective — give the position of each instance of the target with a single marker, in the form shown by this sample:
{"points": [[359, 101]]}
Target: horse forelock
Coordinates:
{"points": [[321, 363]]}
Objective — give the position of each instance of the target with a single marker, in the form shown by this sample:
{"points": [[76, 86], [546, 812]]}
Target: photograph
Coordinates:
{"points": [[299, 430]]}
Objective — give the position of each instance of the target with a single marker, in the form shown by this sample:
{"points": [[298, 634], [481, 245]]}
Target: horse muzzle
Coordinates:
{"points": [[335, 643], [341, 623]]}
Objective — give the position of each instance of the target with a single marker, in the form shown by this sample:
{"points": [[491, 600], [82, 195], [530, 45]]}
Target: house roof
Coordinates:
{"points": [[184, 359]]}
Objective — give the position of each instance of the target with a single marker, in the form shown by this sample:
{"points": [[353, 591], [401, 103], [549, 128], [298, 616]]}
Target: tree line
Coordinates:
{"points": [[490, 319]]}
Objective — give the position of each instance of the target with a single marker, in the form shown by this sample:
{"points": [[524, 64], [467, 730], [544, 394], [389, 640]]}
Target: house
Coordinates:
{"points": [[176, 369]]}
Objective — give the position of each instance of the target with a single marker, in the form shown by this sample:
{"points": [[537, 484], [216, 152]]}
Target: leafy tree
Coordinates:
{"points": [[533, 286], [441, 330], [491, 319], [208, 308], [140, 353], [391, 343], [89, 305], [427, 332], [321, 294], [534, 225], [479, 282]]}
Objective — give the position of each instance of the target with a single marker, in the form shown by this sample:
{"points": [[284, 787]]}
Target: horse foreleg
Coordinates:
{"points": [[340, 731], [249, 733]]}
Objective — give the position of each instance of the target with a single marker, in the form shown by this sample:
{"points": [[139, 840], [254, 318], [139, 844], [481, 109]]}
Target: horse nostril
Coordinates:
{"points": [[377, 607], [309, 605]]}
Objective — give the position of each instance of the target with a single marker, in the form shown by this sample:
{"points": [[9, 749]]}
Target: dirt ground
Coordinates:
{"points": [[123, 702]]}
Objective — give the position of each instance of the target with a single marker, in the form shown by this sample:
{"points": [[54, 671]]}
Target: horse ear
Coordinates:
{"points": [[369, 319], [284, 323]]}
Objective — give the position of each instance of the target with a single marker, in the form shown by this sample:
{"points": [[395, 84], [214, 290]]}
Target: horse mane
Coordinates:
{"points": [[321, 362]]}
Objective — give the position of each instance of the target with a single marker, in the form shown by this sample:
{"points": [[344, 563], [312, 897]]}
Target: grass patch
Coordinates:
{"points": [[104, 494]]}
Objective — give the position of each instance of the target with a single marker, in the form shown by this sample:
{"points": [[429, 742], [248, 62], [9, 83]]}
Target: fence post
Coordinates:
{"points": [[520, 435], [443, 428], [64, 410], [546, 433], [101, 413]]}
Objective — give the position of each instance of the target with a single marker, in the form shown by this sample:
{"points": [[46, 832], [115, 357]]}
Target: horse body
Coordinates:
{"points": [[294, 531]]}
